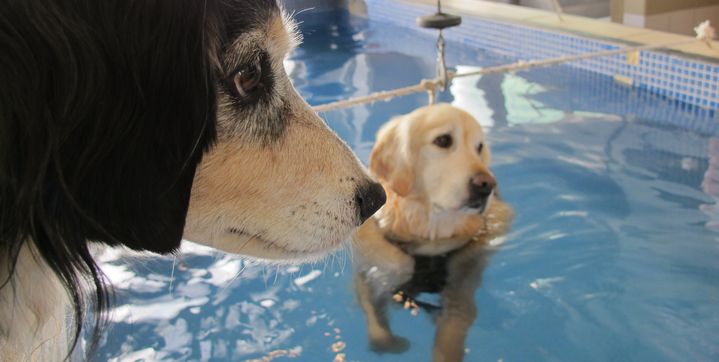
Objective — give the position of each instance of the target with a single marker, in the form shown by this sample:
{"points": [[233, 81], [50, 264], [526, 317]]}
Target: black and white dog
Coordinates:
{"points": [[138, 123]]}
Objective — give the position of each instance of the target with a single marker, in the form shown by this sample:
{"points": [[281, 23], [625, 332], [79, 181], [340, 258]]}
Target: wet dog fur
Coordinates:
{"points": [[442, 201]]}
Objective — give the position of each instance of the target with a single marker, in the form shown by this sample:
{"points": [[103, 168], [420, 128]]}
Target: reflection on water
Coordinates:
{"points": [[710, 184], [612, 256]]}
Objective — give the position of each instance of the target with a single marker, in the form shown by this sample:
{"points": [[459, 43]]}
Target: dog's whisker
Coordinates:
{"points": [[172, 274], [237, 275], [277, 273], [346, 255]]}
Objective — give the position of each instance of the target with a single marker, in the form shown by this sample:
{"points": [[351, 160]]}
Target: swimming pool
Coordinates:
{"points": [[613, 255]]}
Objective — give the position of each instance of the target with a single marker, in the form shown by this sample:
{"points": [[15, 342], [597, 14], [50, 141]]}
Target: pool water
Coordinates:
{"points": [[613, 254]]}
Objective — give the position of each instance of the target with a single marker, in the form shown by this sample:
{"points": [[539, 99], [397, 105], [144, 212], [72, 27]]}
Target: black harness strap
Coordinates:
{"points": [[429, 275]]}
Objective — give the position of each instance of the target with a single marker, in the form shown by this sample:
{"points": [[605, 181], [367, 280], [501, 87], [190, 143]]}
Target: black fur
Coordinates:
{"points": [[105, 110]]}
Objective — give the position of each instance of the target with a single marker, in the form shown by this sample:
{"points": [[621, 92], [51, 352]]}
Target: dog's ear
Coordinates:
{"points": [[107, 107], [103, 124], [129, 160], [390, 160]]}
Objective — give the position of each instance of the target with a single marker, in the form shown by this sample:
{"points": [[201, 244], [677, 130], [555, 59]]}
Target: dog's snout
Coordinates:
{"points": [[482, 184], [369, 198]]}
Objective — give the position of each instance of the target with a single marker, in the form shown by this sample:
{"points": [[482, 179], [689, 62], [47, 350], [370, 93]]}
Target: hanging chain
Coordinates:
{"points": [[441, 64], [442, 74], [439, 21]]}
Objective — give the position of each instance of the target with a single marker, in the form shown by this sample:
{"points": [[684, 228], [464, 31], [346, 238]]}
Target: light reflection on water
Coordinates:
{"points": [[612, 256]]}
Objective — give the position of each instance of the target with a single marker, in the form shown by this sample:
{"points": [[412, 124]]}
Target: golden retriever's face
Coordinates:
{"points": [[279, 183], [438, 155]]}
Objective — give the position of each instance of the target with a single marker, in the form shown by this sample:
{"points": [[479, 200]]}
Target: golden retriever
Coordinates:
{"points": [[432, 234]]}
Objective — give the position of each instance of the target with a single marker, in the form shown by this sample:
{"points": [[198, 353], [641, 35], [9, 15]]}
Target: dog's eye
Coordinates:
{"points": [[443, 141], [480, 148], [247, 79]]}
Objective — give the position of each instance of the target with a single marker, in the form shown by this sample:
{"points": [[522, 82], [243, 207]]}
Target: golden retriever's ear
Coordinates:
{"points": [[389, 161]]}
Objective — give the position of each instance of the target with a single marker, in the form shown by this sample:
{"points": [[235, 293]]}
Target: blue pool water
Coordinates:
{"points": [[613, 255]]}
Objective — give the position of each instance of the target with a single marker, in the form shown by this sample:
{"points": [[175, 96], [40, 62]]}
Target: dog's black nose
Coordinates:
{"points": [[481, 185], [369, 198]]}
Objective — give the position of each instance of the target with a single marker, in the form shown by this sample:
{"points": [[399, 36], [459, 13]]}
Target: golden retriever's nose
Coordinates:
{"points": [[482, 185], [369, 198]]}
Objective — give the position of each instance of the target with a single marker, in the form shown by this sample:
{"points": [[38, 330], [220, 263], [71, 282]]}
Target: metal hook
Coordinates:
{"points": [[439, 21], [432, 95], [441, 64]]}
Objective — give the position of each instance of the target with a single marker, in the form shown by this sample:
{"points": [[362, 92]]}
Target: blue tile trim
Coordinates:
{"points": [[688, 80]]}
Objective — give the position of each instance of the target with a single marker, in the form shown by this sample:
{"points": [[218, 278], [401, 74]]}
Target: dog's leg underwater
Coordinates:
{"points": [[375, 309]]}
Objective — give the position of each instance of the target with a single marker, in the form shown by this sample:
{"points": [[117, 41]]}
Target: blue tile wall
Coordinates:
{"points": [[690, 81]]}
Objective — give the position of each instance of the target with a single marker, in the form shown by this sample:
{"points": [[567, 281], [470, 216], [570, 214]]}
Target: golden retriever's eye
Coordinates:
{"points": [[248, 79], [443, 141], [480, 148]]}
